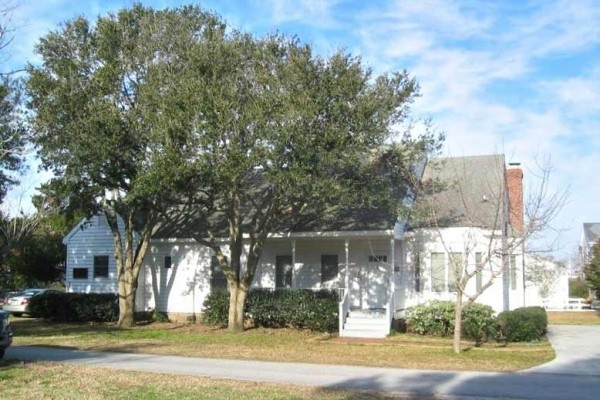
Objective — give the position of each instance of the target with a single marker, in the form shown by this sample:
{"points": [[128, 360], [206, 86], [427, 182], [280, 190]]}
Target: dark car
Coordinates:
{"points": [[5, 332]]}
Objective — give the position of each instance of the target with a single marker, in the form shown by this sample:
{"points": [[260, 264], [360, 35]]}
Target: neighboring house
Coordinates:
{"points": [[546, 283], [367, 255], [589, 237]]}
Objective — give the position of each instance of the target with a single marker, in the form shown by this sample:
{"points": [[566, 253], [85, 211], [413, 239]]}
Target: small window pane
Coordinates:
{"points": [[438, 272], [100, 266], [167, 261], [513, 272], [455, 268], [218, 281], [418, 273], [329, 267], [479, 275], [80, 273]]}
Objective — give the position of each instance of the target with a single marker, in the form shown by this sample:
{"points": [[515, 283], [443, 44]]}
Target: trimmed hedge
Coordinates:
{"points": [[523, 324], [437, 318], [75, 307], [305, 309]]}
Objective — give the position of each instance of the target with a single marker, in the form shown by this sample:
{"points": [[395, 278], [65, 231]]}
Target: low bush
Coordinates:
{"points": [[216, 307], [306, 309], [523, 324], [75, 307], [437, 318], [478, 322]]}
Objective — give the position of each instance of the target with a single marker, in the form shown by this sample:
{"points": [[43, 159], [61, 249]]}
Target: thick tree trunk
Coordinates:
{"points": [[237, 301], [458, 323], [129, 262], [127, 289]]}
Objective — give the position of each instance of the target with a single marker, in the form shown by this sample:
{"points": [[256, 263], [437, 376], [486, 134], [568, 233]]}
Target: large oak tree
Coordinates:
{"points": [[94, 98], [219, 132], [280, 139]]}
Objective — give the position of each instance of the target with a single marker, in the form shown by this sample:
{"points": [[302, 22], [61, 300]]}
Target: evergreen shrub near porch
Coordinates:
{"points": [[437, 318], [304, 309], [523, 324]]}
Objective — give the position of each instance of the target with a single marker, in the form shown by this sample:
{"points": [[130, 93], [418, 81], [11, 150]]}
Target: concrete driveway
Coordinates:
{"points": [[566, 380], [577, 350]]}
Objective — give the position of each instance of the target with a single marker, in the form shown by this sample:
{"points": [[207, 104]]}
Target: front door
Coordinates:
{"points": [[374, 282]]}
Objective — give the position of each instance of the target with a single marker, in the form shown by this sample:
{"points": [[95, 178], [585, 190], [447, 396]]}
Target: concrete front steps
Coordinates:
{"points": [[366, 324]]}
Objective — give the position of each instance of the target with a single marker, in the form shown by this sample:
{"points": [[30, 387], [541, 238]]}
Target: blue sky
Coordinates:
{"points": [[517, 77]]}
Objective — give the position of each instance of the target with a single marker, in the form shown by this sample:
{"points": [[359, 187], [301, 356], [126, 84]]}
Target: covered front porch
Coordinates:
{"points": [[359, 264]]}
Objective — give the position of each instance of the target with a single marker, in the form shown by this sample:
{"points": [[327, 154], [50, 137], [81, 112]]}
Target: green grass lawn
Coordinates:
{"points": [[400, 351], [574, 317], [54, 381]]}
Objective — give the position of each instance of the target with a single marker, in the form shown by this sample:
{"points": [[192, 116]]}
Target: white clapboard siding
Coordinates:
{"points": [[183, 287], [88, 239]]}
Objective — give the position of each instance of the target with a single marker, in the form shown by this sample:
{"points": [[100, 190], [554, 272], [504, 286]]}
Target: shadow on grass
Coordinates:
{"points": [[35, 327], [10, 363], [29, 327]]}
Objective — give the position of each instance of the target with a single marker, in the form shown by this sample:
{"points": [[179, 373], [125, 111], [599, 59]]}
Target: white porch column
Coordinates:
{"points": [[347, 275], [392, 265], [294, 283]]}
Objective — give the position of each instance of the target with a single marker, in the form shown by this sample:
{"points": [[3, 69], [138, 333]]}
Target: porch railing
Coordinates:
{"points": [[343, 308]]}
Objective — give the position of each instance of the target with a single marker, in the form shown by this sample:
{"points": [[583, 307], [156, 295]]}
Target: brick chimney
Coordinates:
{"points": [[514, 178]]}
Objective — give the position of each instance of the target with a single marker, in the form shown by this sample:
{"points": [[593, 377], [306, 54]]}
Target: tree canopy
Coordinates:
{"points": [[592, 269], [95, 99], [12, 132], [167, 115]]}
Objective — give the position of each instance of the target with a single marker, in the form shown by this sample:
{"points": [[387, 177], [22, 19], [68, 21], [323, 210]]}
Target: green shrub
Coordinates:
{"points": [[47, 305], [523, 324], [306, 309], [437, 318], [478, 322], [75, 307], [216, 307], [95, 307]]}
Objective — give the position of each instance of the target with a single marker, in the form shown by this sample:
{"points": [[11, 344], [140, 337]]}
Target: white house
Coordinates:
{"points": [[377, 264], [590, 236], [546, 282], [473, 220], [178, 273]]}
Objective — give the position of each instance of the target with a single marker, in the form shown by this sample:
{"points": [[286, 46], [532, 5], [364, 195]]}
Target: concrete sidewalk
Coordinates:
{"points": [[522, 385]]}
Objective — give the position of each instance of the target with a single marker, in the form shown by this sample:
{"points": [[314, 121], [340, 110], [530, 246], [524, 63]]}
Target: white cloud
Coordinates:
{"points": [[310, 12], [491, 74], [463, 57]]}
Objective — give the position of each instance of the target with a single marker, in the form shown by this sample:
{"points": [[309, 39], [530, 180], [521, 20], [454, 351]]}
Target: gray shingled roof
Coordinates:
{"points": [[359, 219], [591, 230], [471, 191]]}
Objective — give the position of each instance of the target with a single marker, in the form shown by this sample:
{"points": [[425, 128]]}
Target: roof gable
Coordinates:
{"points": [[591, 230], [466, 191]]}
